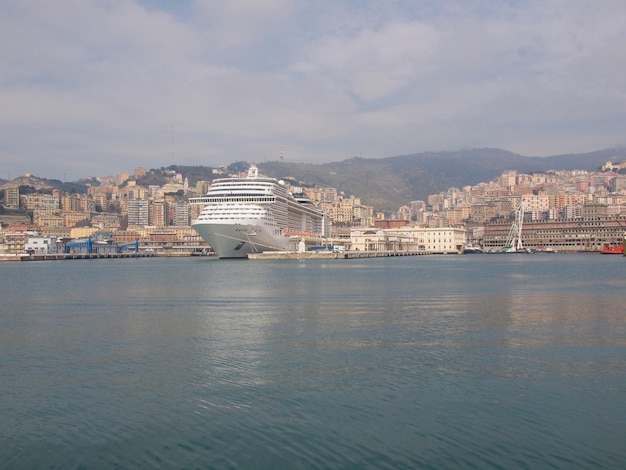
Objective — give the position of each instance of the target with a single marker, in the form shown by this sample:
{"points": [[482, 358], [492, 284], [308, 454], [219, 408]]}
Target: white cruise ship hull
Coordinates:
{"points": [[255, 214], [237, 239]]}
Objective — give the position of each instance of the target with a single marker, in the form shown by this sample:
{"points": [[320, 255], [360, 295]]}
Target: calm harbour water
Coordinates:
{"points": [[483, 361]]}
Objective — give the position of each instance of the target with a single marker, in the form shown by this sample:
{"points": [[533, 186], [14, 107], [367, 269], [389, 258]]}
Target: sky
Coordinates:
{"points": [[95, 87]]}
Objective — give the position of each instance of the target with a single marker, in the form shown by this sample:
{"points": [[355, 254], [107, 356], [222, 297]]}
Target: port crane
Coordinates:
{"points": [[134, 245], [513, 242], [88, 243]]}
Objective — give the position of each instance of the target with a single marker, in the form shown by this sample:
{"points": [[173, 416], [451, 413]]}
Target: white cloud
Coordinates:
{"points": [[94, 87]]}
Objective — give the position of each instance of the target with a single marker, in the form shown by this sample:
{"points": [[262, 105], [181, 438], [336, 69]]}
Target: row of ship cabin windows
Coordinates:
{"points": [[240, 199]]}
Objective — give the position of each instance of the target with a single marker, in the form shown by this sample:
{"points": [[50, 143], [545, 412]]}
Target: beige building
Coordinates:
{"points": [[71, 202], [71, 218], [12, 196], [14, 242], [42, 201], [160, 214], [106, 221], [49, 220]]}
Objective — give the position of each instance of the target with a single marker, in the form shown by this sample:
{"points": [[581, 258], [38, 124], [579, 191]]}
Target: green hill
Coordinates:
{"points": [[388, 183]]}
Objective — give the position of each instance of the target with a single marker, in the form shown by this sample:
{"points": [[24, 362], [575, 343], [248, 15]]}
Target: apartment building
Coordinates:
{"points": [[12, 196], [181, 216], [160, 213], [138, 212], [42, 201]]}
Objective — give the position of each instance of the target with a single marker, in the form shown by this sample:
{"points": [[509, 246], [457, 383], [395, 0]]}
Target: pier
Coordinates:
{"points": [[69, 256], [352, 254]]}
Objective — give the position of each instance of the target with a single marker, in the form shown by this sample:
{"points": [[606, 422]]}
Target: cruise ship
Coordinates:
{"points": [[256, 213]]}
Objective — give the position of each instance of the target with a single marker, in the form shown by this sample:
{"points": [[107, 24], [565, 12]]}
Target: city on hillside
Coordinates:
{"points": [[555, 211]]}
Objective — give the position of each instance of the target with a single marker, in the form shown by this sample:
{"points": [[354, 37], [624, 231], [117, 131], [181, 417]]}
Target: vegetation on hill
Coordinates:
{"points": [[385, 183], [194, 173], [388, 183]]}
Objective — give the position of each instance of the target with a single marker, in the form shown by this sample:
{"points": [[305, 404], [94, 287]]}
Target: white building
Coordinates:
{"points": [[38, 245], [440, 240]]}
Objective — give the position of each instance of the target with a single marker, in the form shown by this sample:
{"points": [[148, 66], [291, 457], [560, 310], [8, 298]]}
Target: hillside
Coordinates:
{"points": [[30, 183], [385, 183], [388, 183]]}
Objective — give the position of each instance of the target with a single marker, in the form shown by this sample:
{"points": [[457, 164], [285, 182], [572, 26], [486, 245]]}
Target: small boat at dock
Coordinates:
{"points": [[613, 249]]}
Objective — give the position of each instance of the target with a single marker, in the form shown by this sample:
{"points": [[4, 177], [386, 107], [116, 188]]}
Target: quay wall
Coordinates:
{"points": [[353, 254], [71, 256]]}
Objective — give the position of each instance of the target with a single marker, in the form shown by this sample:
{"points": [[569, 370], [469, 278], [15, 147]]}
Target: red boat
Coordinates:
{"points": [[613, 249]]}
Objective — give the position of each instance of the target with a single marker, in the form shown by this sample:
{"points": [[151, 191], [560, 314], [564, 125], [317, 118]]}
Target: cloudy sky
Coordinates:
{"points": [[93, 87]]}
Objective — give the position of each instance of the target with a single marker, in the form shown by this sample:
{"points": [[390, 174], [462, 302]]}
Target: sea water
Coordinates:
{"points": [[483, 361]]}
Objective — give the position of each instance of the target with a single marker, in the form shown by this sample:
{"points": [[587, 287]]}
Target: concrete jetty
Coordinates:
{"points": [[322, 254], [70, 256]]}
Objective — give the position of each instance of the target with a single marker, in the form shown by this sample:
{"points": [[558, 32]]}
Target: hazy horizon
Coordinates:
{"points": [[96, 87]]}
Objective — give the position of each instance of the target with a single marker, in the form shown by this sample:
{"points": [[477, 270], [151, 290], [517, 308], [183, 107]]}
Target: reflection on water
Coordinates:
{"points": [[428, 361]]}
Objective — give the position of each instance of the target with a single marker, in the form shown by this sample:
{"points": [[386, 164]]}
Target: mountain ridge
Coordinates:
{"points": [[390, 182], [387, 183]]}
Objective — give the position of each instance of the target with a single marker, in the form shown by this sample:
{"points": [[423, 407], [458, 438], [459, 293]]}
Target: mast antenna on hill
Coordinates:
{"points": [[282, 158], [172, 146]]}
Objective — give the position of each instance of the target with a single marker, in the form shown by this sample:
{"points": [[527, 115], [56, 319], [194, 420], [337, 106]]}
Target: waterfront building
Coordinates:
{"points": [[14, 242], [41, 245], [587, 233], [432, 240], [15, 236], [372, 239]]}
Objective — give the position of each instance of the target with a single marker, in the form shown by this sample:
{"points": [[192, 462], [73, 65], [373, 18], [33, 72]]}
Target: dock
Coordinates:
{"points": [[70, 256], [322, 254]]}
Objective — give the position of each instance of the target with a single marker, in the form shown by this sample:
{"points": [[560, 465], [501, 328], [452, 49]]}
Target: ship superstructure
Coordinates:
{"points": [[256, 213]]}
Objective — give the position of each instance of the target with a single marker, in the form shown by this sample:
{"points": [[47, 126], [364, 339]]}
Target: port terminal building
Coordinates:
{"points": [[587, 233], [427, 240]]}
